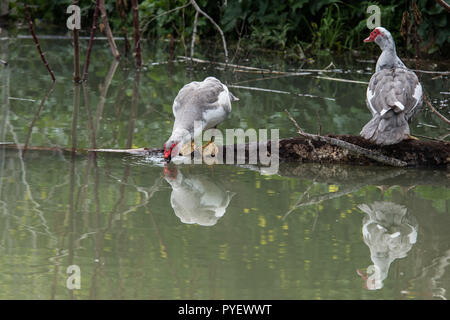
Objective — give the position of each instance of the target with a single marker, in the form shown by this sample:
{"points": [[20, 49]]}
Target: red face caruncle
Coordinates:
{"points": [[168, 152], [373, 35]]}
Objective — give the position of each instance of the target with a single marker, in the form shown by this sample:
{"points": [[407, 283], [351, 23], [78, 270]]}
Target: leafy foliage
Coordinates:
{"points": [[315, 25]]}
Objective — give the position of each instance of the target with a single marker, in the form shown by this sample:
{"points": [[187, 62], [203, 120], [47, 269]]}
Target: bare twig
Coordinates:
{"points": [[239, 39], [342, 80], [197, 8], [194, 34], [36, 116], [104, 92], [164, 13], [30, 24], [91, 40], [90, 120], [299, 200], [137, 34], [224, 64], [76, 53], [108, 32], [425, 98], [318, 122], [279, 91], [349, 146], [444, 4], [268, 78]]}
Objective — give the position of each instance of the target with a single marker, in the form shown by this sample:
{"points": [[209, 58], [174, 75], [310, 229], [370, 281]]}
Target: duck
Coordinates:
{"points": [[394, 94], [197, 198], [390, 232], [198, 106]]}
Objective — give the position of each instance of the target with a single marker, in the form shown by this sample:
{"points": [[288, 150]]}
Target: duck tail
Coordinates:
{"points": [[390, 128]]}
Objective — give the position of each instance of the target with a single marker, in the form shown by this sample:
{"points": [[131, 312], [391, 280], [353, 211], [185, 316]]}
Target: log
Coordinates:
{"points": [[415, 153]]}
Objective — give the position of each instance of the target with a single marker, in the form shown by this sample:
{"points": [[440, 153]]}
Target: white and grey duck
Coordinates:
{"points": [[394, 94], [206, 104]]}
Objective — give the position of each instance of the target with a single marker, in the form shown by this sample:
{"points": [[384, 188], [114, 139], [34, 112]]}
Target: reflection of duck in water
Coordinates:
{"points": [[197, 198], [390, 232]]}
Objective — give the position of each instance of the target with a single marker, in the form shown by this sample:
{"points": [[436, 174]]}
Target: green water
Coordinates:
{"points": [[207, 232]]}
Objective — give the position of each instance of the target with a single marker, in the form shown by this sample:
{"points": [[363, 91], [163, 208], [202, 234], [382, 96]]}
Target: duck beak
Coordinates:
{"points": [[369, 39], [167, 154]]}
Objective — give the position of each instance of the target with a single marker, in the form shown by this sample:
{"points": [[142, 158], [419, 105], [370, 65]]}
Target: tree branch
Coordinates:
{"points": [[194, 33], [349, 146], [108, 32], [197, 8], [444, 4], [425, 98], [30, 24], [137, 35], [91, 40]]}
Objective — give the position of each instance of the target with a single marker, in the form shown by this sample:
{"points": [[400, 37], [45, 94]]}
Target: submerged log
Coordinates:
{"points": [[415, 153]]}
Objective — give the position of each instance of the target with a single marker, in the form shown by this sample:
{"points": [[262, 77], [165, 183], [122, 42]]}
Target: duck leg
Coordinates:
{"points": [[187, 149], [209, 148], [412, 137]]}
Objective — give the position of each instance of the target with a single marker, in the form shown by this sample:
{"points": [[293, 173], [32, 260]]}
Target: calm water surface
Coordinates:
{"points": [[207, 232]]}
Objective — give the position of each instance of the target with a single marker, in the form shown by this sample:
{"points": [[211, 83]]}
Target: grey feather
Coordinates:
{"points": [[203, 102], [394, 96]]}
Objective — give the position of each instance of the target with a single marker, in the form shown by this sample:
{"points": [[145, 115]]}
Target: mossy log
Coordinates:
{"points": [[415, 153]]}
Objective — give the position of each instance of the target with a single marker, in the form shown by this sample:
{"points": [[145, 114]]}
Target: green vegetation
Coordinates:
{"points": [[302, 27]]}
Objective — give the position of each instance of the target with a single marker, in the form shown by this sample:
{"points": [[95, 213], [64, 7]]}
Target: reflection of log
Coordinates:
{"points": [[420, 153], [363, 175]]}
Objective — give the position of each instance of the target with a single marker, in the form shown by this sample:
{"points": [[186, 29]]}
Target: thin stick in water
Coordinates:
{"points": [[76, 53], [36, 117], [425, 98], [137, 35], [108, 32], [91, 40], [30, 24]]}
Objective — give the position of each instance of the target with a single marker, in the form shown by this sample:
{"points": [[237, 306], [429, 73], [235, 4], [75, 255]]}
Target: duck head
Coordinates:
{"points": [[170, 147], [382, 38]]}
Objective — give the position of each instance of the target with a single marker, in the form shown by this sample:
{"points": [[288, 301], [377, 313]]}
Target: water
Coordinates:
{"points": [[207, 232]]}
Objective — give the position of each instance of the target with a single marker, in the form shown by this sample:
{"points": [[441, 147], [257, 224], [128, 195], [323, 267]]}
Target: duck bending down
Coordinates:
{"points": [[197, 198], [394, 94], [204, 104]]}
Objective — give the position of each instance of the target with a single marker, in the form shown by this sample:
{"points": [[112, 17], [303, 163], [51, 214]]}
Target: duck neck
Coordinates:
{"points": [[388, 58]]}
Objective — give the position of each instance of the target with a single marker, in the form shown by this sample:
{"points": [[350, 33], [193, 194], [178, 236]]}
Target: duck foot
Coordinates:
{"points": [[209, 152], [187, 149], [210, 149], [410, 137]]}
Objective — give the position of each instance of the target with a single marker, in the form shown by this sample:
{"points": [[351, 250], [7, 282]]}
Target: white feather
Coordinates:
{"points": [[417, 95], [214, 116], [369, 96], [399, 105]]}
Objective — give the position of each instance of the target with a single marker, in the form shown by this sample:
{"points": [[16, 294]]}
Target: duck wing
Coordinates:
{"points": [[394, 96], [206, 101], [395, 89]]}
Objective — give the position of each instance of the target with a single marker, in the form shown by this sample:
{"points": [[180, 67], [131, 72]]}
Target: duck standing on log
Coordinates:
{"points": [[207, 103], [394, 95]]}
